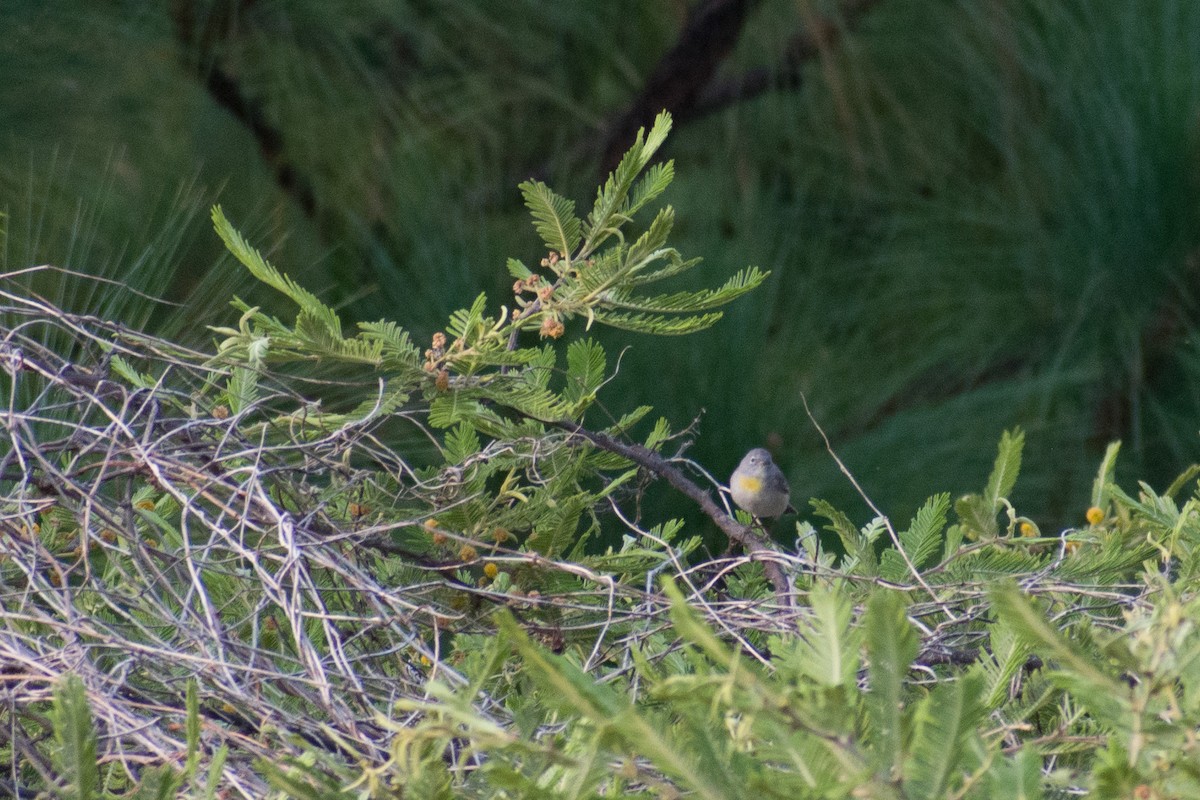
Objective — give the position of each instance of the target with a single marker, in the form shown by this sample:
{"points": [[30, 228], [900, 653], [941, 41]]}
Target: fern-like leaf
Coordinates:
{"points": [[606, 214], [553, 216], [649, 246], [892, 645], [75, 735], [945, 722], [921, 541], [1104, 476], [1008, 465], [585, 371], [261, 269], [653, 183], [857, 546], [1005, 656], [686, 302], [461, 442], [628, 420], [465, 323], [656, 324], [395, 344], [829, 649], [673, 267], [517, 269], [1090, 681], [241, 390]]}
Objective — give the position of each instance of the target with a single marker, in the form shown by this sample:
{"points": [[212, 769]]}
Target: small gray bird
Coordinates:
{"points": [[758, 486]]}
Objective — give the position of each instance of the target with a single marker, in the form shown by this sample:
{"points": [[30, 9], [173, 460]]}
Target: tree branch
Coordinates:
{"points": [[755, 542], [823, 32], [225, 90], [709, 34], [682, 80]]}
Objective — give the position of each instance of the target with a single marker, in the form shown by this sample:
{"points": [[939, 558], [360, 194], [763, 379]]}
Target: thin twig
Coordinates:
{"points": [[755, 542]]}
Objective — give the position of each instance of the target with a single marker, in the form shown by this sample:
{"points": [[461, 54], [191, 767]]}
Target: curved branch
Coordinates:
{"points": [[225, 90], [822, 32], [755, 542], [708, 36]]}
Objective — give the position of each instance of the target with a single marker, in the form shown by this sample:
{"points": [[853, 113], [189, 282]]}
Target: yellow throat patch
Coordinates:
{"points": [[749, 484]]}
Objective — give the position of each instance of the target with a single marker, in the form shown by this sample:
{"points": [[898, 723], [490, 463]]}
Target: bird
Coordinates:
{"points": [[759, 486]]}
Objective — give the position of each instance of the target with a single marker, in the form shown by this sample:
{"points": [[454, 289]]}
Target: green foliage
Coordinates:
{"points": [[891, 645], [75, 763], [481, 365], [75, 736], [249, 543], [920, 543], [719, 721], [977, 512], [951, 659], [554, 218], [291, 525]]}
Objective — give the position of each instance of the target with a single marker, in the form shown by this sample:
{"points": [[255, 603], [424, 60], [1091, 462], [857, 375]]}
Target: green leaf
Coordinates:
{"points": [[922, 541], [461, 442], [452, 408], [517, 269], [892, 644], [557, 530], [1005, 656], [1185, 477], [586, 364], [659, 434], [528, 399], [689, 302], [394, 343], [465, 324], [658, 135], [952, 542], [216, 769], [241, 390], [1016, 778], [649, 246], [977, 515], [140, 380], [839, 523], [674, 266], [158, 783], [829, 645], [1008, 465], [628, 420], [1104, 477], [944, 723], [658, 325], [75, 737], [554, 217], [652, 184], [192, 704], [1104, 695], [269, 275], [1113, 775], [610, 209], [575, 693]]}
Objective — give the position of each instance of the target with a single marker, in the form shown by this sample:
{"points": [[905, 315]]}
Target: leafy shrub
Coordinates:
{"points": [[250, 567]]}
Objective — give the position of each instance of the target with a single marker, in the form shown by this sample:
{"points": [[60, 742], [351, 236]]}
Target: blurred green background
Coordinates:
{"points": [[976, 215]]}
